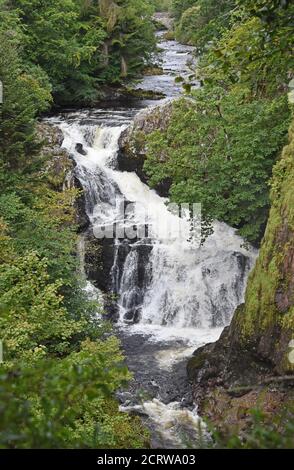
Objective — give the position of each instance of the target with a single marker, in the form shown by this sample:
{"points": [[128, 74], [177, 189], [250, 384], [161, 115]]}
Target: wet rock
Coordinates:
{"points": [[141, 94], [164, 19], [82, 219], [133, 315], [80, 149], [163, 187], [151, 380], [51, 136], [132, 298], [99, 258]]}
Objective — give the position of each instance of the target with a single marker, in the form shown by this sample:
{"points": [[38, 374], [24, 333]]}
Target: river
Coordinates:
{"points": [[172, 296]]}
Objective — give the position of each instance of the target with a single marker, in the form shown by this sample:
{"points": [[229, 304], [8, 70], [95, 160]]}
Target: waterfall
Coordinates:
{"points": [[197, 288], [170, 295], [158, 280]]}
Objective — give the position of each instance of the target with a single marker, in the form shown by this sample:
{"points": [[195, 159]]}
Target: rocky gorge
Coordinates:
{"points": [[167, 297], [165, 306], [147, 229]]}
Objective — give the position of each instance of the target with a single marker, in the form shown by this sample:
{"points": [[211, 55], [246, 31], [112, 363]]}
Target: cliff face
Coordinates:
{"points": [[267, 318], [60, 169], [58, 162], [133, 142], [252, 357]]}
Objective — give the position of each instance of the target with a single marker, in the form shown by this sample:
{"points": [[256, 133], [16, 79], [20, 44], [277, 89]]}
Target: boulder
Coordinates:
{"points": [[133, 142]]}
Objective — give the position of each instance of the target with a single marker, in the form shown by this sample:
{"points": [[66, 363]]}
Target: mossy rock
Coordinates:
{"points": [[153, 71], [142, 94], [269, 302], [170, 35], [195, 364]]}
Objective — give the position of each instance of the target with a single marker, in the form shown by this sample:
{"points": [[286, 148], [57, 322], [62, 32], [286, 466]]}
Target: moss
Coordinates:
{"points": [[195, 363], [57, 161], [170, 35], [59, 167], [153, 70], [138, 142], [93, 255], [288, 320], [158, 118], [145, 94], [272, 277]]}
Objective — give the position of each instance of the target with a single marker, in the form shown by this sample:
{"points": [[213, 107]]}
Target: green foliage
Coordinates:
{"points": [[212, 160], [59, 372], [204, 21], [179, 6], [59, 42], [24, 95], [264, 432], [78, 46], [50, 218], [269, 11], [33, 318], [67, 403], [162, 5], [130, 38], [223, 141], [249, 53]]}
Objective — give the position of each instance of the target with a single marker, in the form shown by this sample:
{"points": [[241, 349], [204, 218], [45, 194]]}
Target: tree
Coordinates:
{"points": [[24, 95], [204, 22], [82, 45], [213, 161], [223, 141], [129, 31]]}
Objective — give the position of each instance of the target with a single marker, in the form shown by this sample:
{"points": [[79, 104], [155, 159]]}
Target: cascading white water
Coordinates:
{"points": [[172, 296], [160, 283], [196, 288], [180, 285]]}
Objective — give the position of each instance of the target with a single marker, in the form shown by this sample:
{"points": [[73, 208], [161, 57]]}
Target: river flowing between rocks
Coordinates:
{"points": [[172, 296]]}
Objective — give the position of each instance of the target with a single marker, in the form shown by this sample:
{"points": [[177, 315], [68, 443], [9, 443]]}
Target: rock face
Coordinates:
{"points": [[104, 266], [132, 142], [52, 137], [164, 19], [99, 257], [60, 169], [82, 218], [254, 350], [58, 164]]}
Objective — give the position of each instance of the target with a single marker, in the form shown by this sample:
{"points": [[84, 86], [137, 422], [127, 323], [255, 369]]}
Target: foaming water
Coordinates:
{"points": [[173, 295], [191, 337], [177, 60], [176, 427]]}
